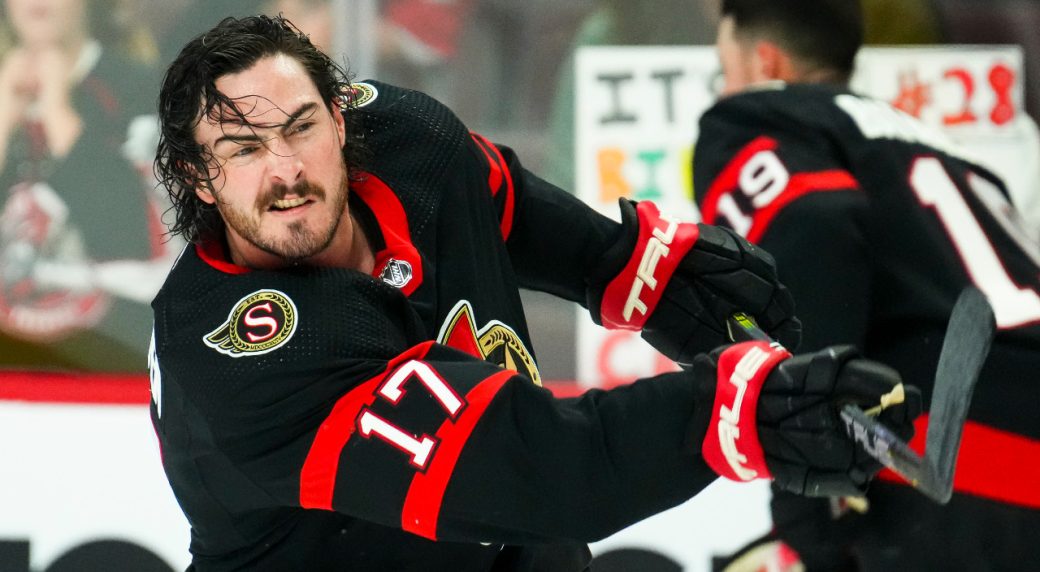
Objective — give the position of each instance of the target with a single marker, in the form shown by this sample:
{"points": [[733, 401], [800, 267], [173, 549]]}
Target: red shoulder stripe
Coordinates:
{"points": [[318, 476], [727, 179], [799, 186], [422, 506], [499, 171]]}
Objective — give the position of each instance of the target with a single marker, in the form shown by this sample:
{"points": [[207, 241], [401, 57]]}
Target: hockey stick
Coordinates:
{"points": [[965, 347]]}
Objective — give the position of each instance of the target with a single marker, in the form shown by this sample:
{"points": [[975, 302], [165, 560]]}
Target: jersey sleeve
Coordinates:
{"points": [[555, 240], [452, 448], [785, 187], [342, 414]]}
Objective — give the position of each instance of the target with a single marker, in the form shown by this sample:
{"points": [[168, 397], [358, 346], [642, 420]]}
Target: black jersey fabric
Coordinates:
{"points": [[877, 224], [324, 419]]}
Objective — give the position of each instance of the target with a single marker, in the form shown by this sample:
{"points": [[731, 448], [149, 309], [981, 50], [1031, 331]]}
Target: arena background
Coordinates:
{"points": [[81, 487]]}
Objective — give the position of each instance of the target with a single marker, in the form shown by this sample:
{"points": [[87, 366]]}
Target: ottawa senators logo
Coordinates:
{"points": [[495, 342], [261, 322], [35, 235]]}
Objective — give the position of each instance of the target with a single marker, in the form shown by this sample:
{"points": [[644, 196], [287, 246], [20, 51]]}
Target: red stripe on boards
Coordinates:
{"points": [[48, 387]]}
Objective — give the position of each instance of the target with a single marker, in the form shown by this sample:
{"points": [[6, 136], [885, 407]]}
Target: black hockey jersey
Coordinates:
{"points": [[877, 223], [309, 420]]}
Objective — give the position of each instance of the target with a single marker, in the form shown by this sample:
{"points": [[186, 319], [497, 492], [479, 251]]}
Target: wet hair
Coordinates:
{"points": [[825, 34], [189, 93]]}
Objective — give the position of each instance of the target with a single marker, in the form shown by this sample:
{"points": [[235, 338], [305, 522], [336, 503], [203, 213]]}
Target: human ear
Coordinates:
{"points": [[773, 62], [339, 122], [205, 194]]}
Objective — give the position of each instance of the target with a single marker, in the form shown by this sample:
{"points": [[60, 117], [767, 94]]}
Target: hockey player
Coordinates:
{"points": [[877, 223], [342, 375]]}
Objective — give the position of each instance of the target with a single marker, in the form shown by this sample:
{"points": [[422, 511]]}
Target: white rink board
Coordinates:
{"points": [[718, 521], [74, 473]]}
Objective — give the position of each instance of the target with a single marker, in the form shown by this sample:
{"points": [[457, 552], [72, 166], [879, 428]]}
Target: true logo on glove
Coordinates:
{"points": [[729, 416], [662, 242], [876, 448], [656, 249], [731, 446]]}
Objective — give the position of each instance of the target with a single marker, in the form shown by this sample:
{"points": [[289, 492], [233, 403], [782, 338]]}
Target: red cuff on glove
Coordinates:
{"points": [[731, 447], [633, 294]]}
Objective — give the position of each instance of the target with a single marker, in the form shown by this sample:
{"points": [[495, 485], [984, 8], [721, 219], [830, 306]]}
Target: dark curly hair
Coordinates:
{"points": [[189, 93]]}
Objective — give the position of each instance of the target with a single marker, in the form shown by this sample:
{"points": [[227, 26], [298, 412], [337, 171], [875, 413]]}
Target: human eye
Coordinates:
{"points": [[244, 151], [302, 127]]}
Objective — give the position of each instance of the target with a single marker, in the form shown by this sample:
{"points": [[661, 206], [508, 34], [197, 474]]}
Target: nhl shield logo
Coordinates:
{"points": [[396, 273], [259, 323]]}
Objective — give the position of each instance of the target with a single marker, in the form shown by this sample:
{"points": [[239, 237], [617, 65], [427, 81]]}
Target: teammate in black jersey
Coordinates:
{"points": [[877, 223], [341, 371]]}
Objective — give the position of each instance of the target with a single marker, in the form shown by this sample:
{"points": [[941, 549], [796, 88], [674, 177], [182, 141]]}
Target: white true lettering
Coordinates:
{"points": [[657, 248], [729, 417]]}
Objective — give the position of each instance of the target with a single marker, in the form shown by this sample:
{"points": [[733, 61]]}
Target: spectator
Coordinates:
{"points": [[80, 248]]}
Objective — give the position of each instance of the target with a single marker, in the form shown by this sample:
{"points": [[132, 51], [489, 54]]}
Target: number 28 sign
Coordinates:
{"points": [[976, 92]]}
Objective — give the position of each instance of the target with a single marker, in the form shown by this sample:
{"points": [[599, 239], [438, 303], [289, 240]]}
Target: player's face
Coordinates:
{"points": [[281, 186], [735, 57]]}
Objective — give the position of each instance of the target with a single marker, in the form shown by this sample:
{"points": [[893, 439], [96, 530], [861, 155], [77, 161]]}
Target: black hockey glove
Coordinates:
{"points": [[777, 416], [679, 282]]}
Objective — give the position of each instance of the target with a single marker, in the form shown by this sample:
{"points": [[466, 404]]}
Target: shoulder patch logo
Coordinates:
{"points": [[361, 94], [396, 273], [495, 342], [259, 323]]}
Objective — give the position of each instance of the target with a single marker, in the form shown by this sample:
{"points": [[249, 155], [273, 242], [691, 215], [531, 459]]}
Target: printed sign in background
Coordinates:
{"points": [[974, 95]]}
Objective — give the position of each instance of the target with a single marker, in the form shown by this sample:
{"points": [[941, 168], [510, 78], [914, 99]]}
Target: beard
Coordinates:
{"points": [[305, 237]]}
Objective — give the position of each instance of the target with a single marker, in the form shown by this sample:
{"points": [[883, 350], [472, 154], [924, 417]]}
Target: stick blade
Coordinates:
{"points": [[965, 348], [969, 335]]}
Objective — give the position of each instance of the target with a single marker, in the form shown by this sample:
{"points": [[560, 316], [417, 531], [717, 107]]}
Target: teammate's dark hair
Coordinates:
{"points": [[189, 93], [826, 34]]}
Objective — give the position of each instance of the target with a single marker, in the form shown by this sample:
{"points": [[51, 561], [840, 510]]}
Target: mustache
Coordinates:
{"points": [[277, 192]]}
